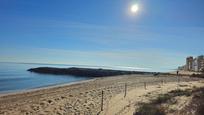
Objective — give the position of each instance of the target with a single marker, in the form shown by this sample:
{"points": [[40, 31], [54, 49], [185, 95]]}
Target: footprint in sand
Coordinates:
{"points": [[50, 101], [43, 103], [35, 107], [70, 95], [63, 97]]}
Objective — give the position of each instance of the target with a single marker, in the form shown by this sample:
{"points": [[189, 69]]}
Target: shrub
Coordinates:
{"points": [[149, 109], [162, 99], [180, 92], [197, 75], [154, 107]]}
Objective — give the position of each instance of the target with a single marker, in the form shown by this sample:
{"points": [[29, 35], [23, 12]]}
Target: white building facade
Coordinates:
{"points": [[195, 64]]}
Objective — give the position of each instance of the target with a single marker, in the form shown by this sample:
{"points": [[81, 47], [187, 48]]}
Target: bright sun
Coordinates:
{"points": [[134, 8]]}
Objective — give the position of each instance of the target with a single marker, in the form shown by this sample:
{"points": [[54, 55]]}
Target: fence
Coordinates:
{"points": [[101, 94]]}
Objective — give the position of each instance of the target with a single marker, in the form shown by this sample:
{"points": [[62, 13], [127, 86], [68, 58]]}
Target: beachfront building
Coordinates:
{"points": [[200, 63], [194, 64], [189, 63], [182, 67]]}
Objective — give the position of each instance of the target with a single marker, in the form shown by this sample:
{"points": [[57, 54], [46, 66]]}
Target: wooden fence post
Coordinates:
{"points": [[125, 90], [145, 85], [102, 100]]}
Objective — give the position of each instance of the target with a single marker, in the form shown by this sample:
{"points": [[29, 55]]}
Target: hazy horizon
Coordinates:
{"points": [[156, 35]]}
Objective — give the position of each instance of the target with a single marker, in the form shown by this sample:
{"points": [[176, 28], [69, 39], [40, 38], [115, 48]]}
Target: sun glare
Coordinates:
{"points": [[134, 8]]}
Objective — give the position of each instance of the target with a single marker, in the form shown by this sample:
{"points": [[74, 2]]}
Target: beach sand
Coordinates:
{"points": [[84, 98]]}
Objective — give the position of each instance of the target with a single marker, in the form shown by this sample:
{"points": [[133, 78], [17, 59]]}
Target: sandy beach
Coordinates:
{"points": [[85, 98], [101, 57]]}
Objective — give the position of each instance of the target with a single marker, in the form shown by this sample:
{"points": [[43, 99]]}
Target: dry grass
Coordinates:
{"points": [[155, 108]]}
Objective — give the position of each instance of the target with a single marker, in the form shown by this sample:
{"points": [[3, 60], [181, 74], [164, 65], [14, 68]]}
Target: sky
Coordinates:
{"points": [[157, 37]]}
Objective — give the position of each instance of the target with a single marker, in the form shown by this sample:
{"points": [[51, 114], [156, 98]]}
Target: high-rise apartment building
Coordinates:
{"points": [[194, 64], [189, 63], [200, 60]]}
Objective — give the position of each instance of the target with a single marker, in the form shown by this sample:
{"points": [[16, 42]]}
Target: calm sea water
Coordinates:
{"points": [[15, 77]]}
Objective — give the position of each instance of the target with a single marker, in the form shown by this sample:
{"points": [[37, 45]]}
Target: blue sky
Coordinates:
{"points": [[102, 32]]}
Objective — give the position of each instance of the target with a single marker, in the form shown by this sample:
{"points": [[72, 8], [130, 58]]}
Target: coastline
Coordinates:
{"points": [[15, 92], [83, 97], [48, 87]]}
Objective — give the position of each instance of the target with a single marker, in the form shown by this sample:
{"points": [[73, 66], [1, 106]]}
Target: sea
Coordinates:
{"points": [[14, 77]]}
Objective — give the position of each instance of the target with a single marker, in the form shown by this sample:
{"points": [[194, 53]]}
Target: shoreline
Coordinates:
{"points": [[48, 87], [7, 93], [44, 87], [83, 97]]}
